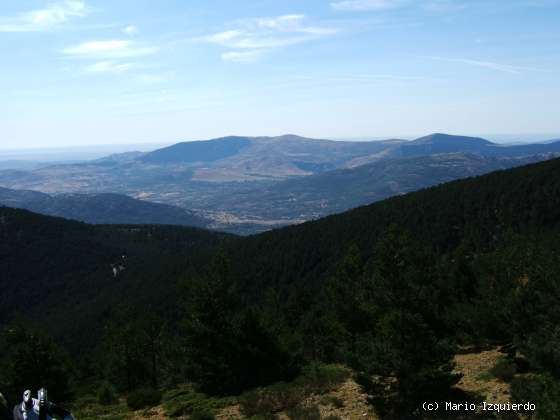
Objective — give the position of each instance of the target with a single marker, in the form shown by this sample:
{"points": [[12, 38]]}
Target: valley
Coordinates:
{"points": [[248, 185]]}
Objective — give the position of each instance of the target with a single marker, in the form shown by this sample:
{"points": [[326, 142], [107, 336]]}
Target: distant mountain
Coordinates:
{"points": [[101, 208], [524, 149], [198, 151], [254, 158], [249, 184], [29, 165], [119, 158], [444, 143]]}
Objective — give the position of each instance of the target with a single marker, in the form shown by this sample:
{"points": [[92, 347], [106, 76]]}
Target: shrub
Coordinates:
{"points": [[106, 394], [275, 398], [504, 369], [542, 390], [319, 378], [185, 401], [316, 378], [143, 398], [202, 414], [304, 413], [485, 376], [332, 400]]}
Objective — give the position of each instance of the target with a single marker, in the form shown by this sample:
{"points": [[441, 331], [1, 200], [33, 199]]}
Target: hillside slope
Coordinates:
{"points": [[476, 211], [101, 208], [63, 269]]}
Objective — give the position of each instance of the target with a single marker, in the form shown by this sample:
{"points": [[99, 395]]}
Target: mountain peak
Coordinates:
{"points": [[442, 138], [198, 151]]}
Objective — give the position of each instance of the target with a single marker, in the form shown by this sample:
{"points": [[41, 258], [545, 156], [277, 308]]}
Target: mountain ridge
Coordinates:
{"points": [[250, 184], [103, 208]]}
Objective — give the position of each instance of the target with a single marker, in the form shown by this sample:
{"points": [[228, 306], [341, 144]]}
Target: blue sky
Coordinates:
{"points": [[76, 72]]}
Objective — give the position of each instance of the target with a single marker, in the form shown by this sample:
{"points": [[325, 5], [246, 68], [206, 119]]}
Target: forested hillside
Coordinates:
{"points": [[391, 290], [333, 192], [101, 208], [59, 273]]}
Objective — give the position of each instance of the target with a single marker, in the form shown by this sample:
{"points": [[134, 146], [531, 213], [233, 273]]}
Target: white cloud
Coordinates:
{"points": [[108, 50], [242, 56], [150, 78], [130, 30], [504, 68], [45, 19], [265, 33], [281, 23], [110, 67], [366, 5]]}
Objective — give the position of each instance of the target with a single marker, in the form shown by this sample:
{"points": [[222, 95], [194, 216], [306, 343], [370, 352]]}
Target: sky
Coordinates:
{"points": [[90, 72]]}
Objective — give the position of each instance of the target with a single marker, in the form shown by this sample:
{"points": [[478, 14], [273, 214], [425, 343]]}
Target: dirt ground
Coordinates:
{"points": [[475, 367]]}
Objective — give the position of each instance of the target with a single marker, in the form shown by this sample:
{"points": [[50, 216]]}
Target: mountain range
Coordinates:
{"points": [[252, 184]]}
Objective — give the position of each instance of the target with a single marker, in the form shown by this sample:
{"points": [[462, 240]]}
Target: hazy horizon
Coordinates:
{"points": [[91, 151], [83, 72]]}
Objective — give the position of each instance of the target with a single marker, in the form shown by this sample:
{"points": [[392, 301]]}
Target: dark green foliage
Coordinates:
{"points": [[318, 378], [389, 311], [106, 394], [229, 349], [131, 353], [31, 360], [504, 369], [5, 412], [315, 379], [63, 269], [202, 415], [142, 398], [304, 412], [541, 390]]}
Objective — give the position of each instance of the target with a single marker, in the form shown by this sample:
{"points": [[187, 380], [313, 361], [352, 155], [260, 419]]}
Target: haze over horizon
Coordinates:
{"points": [[95, 72]]}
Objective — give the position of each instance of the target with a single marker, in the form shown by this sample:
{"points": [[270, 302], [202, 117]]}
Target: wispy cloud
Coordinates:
{"points": [[504, 68], [45, 19], [112, 49], [261, 34], [380, 5], [130, 30], [242, 56], [367, 5], [110, 67], [151, 79]]}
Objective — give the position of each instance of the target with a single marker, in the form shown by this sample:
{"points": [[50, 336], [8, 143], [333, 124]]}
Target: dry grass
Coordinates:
{"points": [[475, 368]]}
